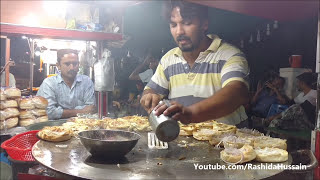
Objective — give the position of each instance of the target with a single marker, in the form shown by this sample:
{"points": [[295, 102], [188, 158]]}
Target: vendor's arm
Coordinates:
{"points": [[224, 102], [155, 90]]}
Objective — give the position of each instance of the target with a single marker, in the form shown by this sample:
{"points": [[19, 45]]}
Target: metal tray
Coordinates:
{"points": [[177, 162], [39, 126]]}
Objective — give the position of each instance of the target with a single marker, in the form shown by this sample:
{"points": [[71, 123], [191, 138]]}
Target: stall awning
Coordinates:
{"points": [[37, 32], [281, 10]]}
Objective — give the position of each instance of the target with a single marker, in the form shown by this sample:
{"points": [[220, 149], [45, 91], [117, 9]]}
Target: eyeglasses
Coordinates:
{"points": [[73, 63]]}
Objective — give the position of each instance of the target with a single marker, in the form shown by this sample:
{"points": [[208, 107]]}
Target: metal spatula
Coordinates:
{"points": [[155, 143]]}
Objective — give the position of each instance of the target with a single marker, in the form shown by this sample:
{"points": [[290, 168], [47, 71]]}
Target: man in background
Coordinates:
{"points": [[301, 115], [145, 76], [12, 80], [271, 92], [68, 93]]}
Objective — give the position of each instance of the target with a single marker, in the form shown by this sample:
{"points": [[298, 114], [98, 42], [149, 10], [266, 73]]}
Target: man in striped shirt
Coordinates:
{"points": [[204, 77]]}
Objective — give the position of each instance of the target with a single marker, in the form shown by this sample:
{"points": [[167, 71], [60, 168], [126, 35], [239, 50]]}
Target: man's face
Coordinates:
{"points": [[69, 66], [187, 33], [299, 85]]}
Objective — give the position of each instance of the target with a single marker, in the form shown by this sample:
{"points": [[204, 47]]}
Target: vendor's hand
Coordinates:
{"points": [[176, 111], [150, 101]]}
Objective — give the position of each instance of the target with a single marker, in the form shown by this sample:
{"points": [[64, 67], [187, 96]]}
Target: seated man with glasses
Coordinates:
{"points": [[68, 93]]}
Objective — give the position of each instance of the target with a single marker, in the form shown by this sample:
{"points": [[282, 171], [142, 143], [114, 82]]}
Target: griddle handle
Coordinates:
{"points": [[313, 160]]}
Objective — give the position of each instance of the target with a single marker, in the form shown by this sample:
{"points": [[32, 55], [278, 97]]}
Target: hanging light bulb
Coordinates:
{"points": [[251, 39], [268, 30], [275, 24], [258, 36], [128, 55]]}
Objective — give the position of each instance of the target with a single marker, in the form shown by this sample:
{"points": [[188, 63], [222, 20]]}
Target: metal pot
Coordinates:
{"points": [[165, 128]]}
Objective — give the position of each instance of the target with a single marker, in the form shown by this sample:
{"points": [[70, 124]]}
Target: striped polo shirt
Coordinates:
{"points": [[220, 64]]}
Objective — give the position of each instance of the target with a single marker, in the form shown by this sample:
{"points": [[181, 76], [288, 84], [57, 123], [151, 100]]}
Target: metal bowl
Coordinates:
{"points": [[108, 143]]}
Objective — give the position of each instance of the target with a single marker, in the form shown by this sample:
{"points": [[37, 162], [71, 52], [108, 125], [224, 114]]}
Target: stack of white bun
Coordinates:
{"points": [[248, 144], [32, 110], [9, 112]]}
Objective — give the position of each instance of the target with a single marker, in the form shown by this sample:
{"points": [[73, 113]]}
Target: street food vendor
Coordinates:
{"points": [[68, 93], [204, 77]]}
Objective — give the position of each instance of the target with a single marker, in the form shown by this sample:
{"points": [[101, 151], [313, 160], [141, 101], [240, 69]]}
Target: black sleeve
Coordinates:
{"points": [[310, 110]]}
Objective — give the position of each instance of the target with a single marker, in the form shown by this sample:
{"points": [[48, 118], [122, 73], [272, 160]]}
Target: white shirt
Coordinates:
{"points": [[60, 96], [146, 75], [311, 97], [12, 80]]}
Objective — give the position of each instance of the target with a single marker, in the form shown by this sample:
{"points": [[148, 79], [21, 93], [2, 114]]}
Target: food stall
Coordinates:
{"points": [[186, 157]]}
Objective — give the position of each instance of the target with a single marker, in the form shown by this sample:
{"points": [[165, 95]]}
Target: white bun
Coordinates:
{"points": [[9, 113], [3, 96], [26, 114], [265, 141], [26, 103], [12, 93], [271, 155], [236, 142], [42, 119], [8, 104], [234, 155], [39, 112], [10, 123], [40, 102], [203, 134], [26, 122]]}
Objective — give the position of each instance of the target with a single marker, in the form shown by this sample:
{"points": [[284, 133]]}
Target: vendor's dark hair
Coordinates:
{"points": [[62, 52], [188, 10], [310, 79]]}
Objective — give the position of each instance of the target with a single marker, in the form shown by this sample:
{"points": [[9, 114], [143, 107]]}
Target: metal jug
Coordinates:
{"points": [[165, 128]]}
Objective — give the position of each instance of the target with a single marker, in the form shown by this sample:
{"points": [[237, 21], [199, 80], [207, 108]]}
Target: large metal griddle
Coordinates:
{"points": [[177, 162]]}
